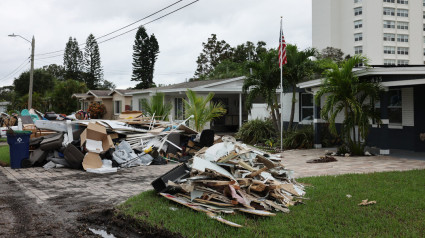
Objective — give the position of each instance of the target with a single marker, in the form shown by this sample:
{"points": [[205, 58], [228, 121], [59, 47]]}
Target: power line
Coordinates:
{"points": [[16, 69], [126, 31], [120, 28]]}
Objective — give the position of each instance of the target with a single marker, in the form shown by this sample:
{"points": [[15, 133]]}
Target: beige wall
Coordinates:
{"points": [[109, 108]]}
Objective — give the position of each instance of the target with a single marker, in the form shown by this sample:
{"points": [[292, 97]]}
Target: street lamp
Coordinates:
{"points": [[32, 68]]}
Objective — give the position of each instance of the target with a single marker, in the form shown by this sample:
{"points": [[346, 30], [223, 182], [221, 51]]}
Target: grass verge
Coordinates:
{"points": [[4, 156], [399, 211]]}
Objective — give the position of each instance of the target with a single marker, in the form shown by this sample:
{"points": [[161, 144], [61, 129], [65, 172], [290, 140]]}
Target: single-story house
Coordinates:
{"points": [[227, 91], [402, 107], [115, 101], [3, 106]]}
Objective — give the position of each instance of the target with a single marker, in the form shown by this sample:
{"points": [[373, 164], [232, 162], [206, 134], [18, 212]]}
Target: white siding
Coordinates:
{"points": [[407, 107], [287, 104], [259, 111]]}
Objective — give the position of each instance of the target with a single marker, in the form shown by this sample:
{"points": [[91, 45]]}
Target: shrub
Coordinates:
{"points": [[96, 110], [256, 131], [299, 138]]}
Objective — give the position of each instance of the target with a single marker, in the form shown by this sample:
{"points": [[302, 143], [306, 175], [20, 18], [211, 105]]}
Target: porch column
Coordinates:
{"points": [[384, 147], [317, 123], [240, 110]]}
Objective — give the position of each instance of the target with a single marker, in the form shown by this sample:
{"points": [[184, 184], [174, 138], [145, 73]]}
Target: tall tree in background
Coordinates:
{"points": [[93, 72], [145, 53], [73, 60], [214, 52]]}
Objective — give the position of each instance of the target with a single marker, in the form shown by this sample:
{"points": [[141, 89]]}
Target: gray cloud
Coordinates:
{"points": [[180, 35]]}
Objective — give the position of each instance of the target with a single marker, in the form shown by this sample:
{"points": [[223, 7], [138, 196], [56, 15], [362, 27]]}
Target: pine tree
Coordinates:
{"points": [[93, 72], [145, 53], [73, 60]]}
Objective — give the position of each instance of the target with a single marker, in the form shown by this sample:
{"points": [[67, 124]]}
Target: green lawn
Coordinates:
{"points": [[399, 212], [4, 155]]}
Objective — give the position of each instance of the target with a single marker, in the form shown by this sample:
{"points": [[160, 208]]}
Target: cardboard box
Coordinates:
{"points": [[96, 132], [92, 161]]}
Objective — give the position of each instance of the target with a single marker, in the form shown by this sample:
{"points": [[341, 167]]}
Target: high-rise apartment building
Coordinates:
{"points": [[388, 32]]}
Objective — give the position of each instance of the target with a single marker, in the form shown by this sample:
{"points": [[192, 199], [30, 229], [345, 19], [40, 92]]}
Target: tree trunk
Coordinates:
{"points": [[275, 122], [291, 119]]}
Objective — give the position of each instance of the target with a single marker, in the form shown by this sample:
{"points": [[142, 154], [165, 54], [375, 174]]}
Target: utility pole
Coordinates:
{"points": [[31, 74], [32, 68]]}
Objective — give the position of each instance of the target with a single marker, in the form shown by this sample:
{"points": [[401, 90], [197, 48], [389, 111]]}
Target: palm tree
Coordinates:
{"points": [[202, 109], [263, 83], [346, 94], [299, 68], [156, 106]]}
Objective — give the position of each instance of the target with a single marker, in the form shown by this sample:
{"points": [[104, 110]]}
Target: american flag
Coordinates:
{"points": [[282, 48]]}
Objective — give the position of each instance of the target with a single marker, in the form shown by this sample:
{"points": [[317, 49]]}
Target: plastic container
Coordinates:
{"points": [[19, 147]]}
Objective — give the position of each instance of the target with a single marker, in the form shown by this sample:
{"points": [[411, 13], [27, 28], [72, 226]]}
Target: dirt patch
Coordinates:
{"points": [[3, 164], [121, 225]]}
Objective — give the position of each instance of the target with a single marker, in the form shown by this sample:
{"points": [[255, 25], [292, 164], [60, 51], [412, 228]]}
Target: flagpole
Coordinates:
{"points": [[281, 91]]}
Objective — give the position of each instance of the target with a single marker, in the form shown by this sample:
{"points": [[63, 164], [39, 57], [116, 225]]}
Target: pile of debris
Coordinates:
{"points": [[102, 146], [228, 177]]}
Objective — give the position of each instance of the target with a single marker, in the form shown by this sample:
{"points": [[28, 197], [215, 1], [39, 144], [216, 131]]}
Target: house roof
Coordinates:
{"points": [[410, 70], [123, 91], [80, 95], [99, 93], [195, 85]]}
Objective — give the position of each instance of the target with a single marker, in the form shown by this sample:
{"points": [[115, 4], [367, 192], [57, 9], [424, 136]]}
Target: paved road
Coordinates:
{"points": [[37, 202]]}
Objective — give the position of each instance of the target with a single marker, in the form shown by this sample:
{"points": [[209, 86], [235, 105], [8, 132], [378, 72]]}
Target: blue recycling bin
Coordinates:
{"points": [[19, 147]]}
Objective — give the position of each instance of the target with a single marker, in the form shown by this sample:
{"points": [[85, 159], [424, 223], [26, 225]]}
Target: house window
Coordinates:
{"points": [[389, 24], [424, 52], [141, 108], [85, 106], [402, 12], [377, 109], [403, 38], [306, 106], [357, 1], [423, 3], [117, 107], [403, 1], [403, 25], [389, 1], [358, 37], [358, 24], [388, 11], [389, 50], [394, 106], [389, 61], [358, 11], [178, 109], [389, 37], [402, 50], [402, 62], [358, 50]]}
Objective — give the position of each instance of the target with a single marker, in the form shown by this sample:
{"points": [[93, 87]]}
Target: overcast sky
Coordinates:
{"points": [[180, 35]]}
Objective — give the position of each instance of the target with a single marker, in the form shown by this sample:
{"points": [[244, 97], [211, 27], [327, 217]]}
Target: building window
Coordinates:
{"points": [[389, 24], [403, 38], [389, 61], [391, 1], [403, 25], [403, 1], [402, 62], [389, 37], [179, 109], [358, 37], [402, 50], [423, 3], [306, 106], [424, 52], [389, 50], [142, 101], [85, 106], [117, 107], [357, 1], [358, 24], [358, 11], [394, 106], [358, 50], [402, 12], [388, 11]]}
